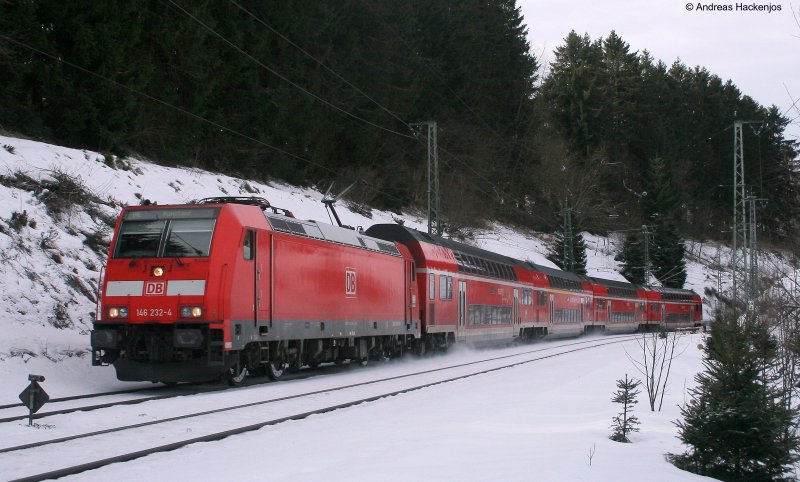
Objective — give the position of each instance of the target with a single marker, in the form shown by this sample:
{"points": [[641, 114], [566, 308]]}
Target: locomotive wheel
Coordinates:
{"points": [[275, 370], [237, 374]]}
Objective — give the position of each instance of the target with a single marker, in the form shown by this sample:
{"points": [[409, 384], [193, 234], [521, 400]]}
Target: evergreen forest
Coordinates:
{"points": [[307, 91]]}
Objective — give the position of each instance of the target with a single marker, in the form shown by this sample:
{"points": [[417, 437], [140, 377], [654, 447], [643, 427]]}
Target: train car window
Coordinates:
{"points": [[247, 246], [413, 273], [527, 296], [449, 287], [601, 304], [442, 287], [189, 237], [432, 286], [542, 298]]}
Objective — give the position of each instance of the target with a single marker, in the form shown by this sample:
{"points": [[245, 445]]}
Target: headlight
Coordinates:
{"points": [[158, 271], [118, 312], [191, 312]]}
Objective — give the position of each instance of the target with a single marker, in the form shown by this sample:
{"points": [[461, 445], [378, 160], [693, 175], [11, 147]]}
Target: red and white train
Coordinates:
{"points": [[229, 286]]}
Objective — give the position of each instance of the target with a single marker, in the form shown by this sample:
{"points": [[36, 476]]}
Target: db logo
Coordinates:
{"points": [[155, 288], [350, 282]]}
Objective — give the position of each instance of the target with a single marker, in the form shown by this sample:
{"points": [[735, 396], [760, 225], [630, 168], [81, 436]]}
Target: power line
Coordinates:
{"points": [[444, 82], [276, 32], [162, 102], [282, 77], [319, 62], [184, 111]]}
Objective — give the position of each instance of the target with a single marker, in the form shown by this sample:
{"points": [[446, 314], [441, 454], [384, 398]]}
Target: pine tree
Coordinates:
{"points": [[625, 422], [572, 90], [571, 257], [659, 206], [737, 425], [667, 251], [632, 258]]}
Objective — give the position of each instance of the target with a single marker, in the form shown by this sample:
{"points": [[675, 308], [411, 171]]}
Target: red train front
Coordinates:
{"points": [[227, 286]]}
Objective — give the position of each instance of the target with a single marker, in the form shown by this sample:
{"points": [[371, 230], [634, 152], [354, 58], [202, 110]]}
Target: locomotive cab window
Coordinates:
{"points": [[189, 237], [166, 233]]}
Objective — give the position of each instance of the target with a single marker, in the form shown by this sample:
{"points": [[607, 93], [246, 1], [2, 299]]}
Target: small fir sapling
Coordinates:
{"points": [[625, 422]]}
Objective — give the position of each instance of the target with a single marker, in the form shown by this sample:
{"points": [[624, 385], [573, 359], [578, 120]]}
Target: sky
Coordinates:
{"points": [[758, 50]]}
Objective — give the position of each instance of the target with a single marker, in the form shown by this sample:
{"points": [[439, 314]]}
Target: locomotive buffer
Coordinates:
{"points": [[34, 396]]}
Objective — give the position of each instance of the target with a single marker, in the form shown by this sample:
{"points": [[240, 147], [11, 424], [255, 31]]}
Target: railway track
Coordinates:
{"points": [[169, 432], [17, 411]]}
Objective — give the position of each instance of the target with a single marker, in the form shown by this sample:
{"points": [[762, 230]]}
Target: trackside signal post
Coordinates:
{"points": [[34, 396]]}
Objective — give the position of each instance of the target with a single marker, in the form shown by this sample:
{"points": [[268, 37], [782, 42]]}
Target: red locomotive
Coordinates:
{"points": [[231, 286]]}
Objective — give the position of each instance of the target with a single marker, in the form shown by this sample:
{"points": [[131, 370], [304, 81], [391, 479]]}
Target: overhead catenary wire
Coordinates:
{"points": [[162, 102], [360, 91], [238, 49], [195, 116], [319, 62], [282, 77]]}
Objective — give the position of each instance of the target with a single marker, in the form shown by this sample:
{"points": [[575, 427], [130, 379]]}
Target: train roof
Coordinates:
{"points": [[675, 294], [328, 232], [282, 220], [613, 283], [620, 289], [396, 232], [557, 278], [562, 279]]}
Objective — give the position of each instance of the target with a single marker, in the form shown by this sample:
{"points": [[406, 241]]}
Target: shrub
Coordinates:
{"points": [[18, 220]]}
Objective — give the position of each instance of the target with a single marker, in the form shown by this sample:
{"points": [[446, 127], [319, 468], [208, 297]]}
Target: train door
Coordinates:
{"points": [[461, 331], [583, 309], [410, 302], [244, 290], [515, 313], [263, 277], [552, 307]]}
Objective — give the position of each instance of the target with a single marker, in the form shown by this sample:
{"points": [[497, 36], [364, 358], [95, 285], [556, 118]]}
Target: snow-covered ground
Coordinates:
{"points": [[547, 420], [528, 423]]}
